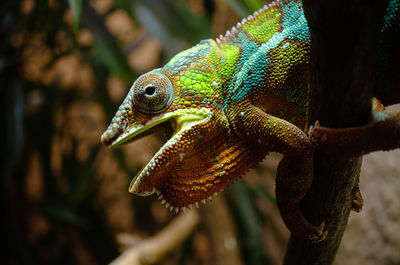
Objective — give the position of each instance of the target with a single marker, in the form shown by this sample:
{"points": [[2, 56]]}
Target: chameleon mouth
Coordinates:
{"points": [[116, 136], [201, 159], [145, 183]]}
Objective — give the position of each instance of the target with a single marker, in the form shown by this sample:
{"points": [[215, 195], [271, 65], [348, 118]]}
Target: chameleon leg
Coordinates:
{"points": [[381, 134], [295, 171]]}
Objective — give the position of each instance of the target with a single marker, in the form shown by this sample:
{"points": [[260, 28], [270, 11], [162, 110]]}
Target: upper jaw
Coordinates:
{"points": [[119, 133], [117, 137], [119, 123], [125, 134]]}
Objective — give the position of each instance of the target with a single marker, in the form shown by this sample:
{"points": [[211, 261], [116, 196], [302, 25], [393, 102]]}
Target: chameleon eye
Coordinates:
{"points": [[152, 92]]}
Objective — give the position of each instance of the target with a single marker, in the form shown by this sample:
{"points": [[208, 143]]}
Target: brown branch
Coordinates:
{"points": [[344, 42], [154, 249]]}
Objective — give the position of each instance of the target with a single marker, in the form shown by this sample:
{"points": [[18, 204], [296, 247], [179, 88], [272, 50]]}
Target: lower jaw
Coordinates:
{"points": [[170, 129]]}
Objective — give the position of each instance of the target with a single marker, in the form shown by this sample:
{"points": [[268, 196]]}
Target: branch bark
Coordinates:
{"points": [[344, 44], [154, 249]]}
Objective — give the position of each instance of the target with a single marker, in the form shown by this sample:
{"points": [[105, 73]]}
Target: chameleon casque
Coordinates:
{"points": [[229, 102]]}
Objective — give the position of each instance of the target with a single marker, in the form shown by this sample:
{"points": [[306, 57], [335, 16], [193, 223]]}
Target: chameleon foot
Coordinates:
{"points": [[357, 202], [318, 234]]}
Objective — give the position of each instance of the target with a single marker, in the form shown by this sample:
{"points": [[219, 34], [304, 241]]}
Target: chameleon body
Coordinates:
{"points": [[230, 102]]}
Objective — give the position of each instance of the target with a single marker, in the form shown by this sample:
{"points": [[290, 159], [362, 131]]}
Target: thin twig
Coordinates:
{"points": [[154, 249]]}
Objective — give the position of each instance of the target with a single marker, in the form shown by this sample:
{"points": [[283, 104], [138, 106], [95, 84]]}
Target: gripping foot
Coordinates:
{"points": [[358, 202]]}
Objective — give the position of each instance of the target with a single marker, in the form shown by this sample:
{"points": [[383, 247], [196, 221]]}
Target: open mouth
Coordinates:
{"points": [[200, 159], [173, 124]]}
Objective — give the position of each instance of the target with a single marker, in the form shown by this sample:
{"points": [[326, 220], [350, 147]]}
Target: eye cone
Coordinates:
{"points": [[152, 92]]}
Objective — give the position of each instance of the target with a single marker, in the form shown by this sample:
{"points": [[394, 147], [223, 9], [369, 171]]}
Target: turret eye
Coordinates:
{"points": [[152, 92]]}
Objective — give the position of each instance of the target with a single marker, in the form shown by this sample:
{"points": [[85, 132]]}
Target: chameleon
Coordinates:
{"points": [[227, 103]]}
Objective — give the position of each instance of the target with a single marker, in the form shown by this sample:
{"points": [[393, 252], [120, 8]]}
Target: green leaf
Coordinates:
{"points": [[244, 7], [249, 223], [174, 19], [64, 214], [106, 46], [254, 5], [113, 59], [129, 6], [258, 190], [76, 8], [238, 6]]}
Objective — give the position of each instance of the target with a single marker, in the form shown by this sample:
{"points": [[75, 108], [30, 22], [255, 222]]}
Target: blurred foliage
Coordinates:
{"points": [[76, 9], [64, 68]]}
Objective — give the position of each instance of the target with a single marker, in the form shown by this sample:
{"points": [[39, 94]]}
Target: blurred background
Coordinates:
{"points": [[65, 66]]}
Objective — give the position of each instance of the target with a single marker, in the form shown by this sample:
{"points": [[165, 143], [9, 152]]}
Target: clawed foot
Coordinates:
{"points": [[311, 128], [319, 137], [344, 143], [316, 134], [357, 203], [318, 234]]}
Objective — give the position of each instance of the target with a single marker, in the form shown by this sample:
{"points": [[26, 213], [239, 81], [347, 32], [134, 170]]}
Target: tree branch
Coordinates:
{"points": [[154, 249]]}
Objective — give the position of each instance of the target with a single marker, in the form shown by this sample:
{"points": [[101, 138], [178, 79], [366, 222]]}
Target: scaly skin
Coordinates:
{"points": [[229, 102]]}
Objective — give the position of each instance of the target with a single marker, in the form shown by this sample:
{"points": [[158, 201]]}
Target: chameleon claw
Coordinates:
{"points": [[312, 127], [356, 206], [319, 234], [357, 203]]}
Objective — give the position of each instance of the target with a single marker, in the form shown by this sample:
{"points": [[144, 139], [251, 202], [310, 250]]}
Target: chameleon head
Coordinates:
{"points": [[202, 157]]}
